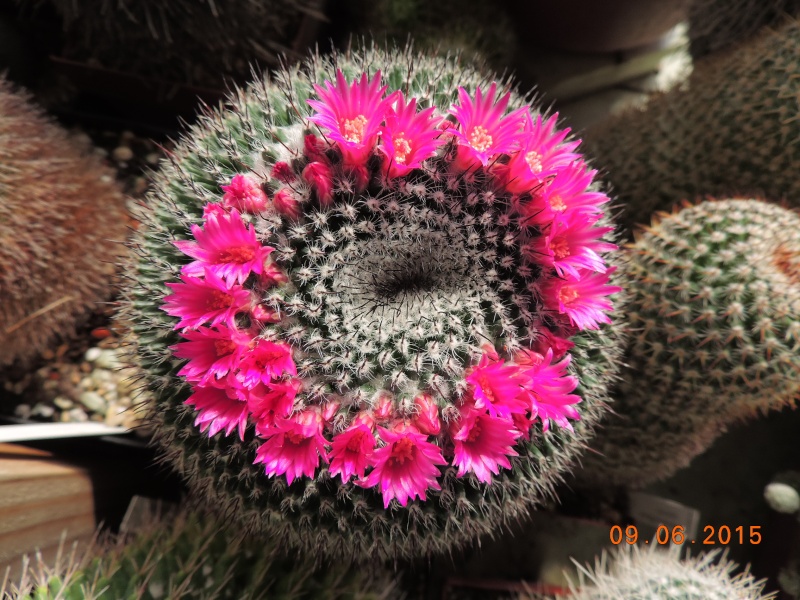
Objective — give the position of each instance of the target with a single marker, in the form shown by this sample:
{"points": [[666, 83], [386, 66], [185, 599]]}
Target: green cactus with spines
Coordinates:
{"points": [[191, 556], [653, 573], [715, 24], [731, 130], [63, 221], [261, 127], [714, 313]]}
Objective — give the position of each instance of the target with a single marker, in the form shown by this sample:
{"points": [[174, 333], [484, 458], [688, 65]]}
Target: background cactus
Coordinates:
{"points": [[153, 39], [729, 130], [62, 223], [715, 330], [714, 24], [388, 232], [634, 573], [193, 557]]}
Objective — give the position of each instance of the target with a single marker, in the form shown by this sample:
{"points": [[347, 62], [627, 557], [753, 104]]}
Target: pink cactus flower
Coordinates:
{"points": [[286, 204], [484, 129], [283, 172], [583, 300], [294, 446], [244, 194], [570, 245], [547, 340], [409, 137], [320, 177], [212, 353], [427, 416], [214, 208], [218, 411], [265, 361], [352, 114], [562, 194], [542, 153], [272, 275], [272, 401], [549, 390], [205, 301], [496, 388], [483, 443], [225, 246], [406, 467], [351, 451]]}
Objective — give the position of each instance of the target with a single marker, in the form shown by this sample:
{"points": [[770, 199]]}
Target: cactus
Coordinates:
{"points": [[481, 31], [190, 556], [62, 221], [653, 573], [715, 24], [730, 130], [200, 42], [715, 332], [783, 495], [385, 379]]}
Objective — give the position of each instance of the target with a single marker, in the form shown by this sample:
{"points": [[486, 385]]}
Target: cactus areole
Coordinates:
{"points": [[374, 303]]}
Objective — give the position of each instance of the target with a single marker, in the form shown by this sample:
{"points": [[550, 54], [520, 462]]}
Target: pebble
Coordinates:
{"points": [[100, 377], [63, 403], [23, 411], [93, 401], [43, 410], [107, 360], [92, 354], [122, 154], [153, 158], [77, 415]]}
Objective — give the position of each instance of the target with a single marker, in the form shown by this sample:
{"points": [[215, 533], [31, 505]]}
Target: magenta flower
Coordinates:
{"points": [[320, 177], [426, 418], [483, 444], [582, 300], [264, 362], [571, 244], [549, 389], [547, 340], [286, 204], [269, 402], [226, 247], [294, 447], [542, 153], [351, 451], [485, 131], [406, 467], [244, 194], [495, 388], [209, 300], [409, 137], [352, 114], [212, 353], [218, 411]]}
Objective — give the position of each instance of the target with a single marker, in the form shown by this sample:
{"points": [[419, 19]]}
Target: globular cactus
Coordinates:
{"points": [[715, 332], [192, 557], [715, 24], [481, 32], [783, 495], [62, 224], [731, 130], [189, 41], [383, 310], [654, 573]]}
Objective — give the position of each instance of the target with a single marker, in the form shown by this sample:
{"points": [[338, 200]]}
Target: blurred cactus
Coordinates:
{"points": [[62, 224], [653, 573], [715, 332], [732, 129], [191, 557], [715, 24]]}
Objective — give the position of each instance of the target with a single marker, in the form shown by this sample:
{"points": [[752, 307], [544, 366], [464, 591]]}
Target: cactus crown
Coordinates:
{"points": [[377, 291], [636, 574]]}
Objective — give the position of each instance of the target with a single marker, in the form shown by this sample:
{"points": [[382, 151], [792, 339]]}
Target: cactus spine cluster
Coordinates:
{"points": [[62, 224], [382, 288], [731, 130], [653, 573], [715, 332], [191, 557]]}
